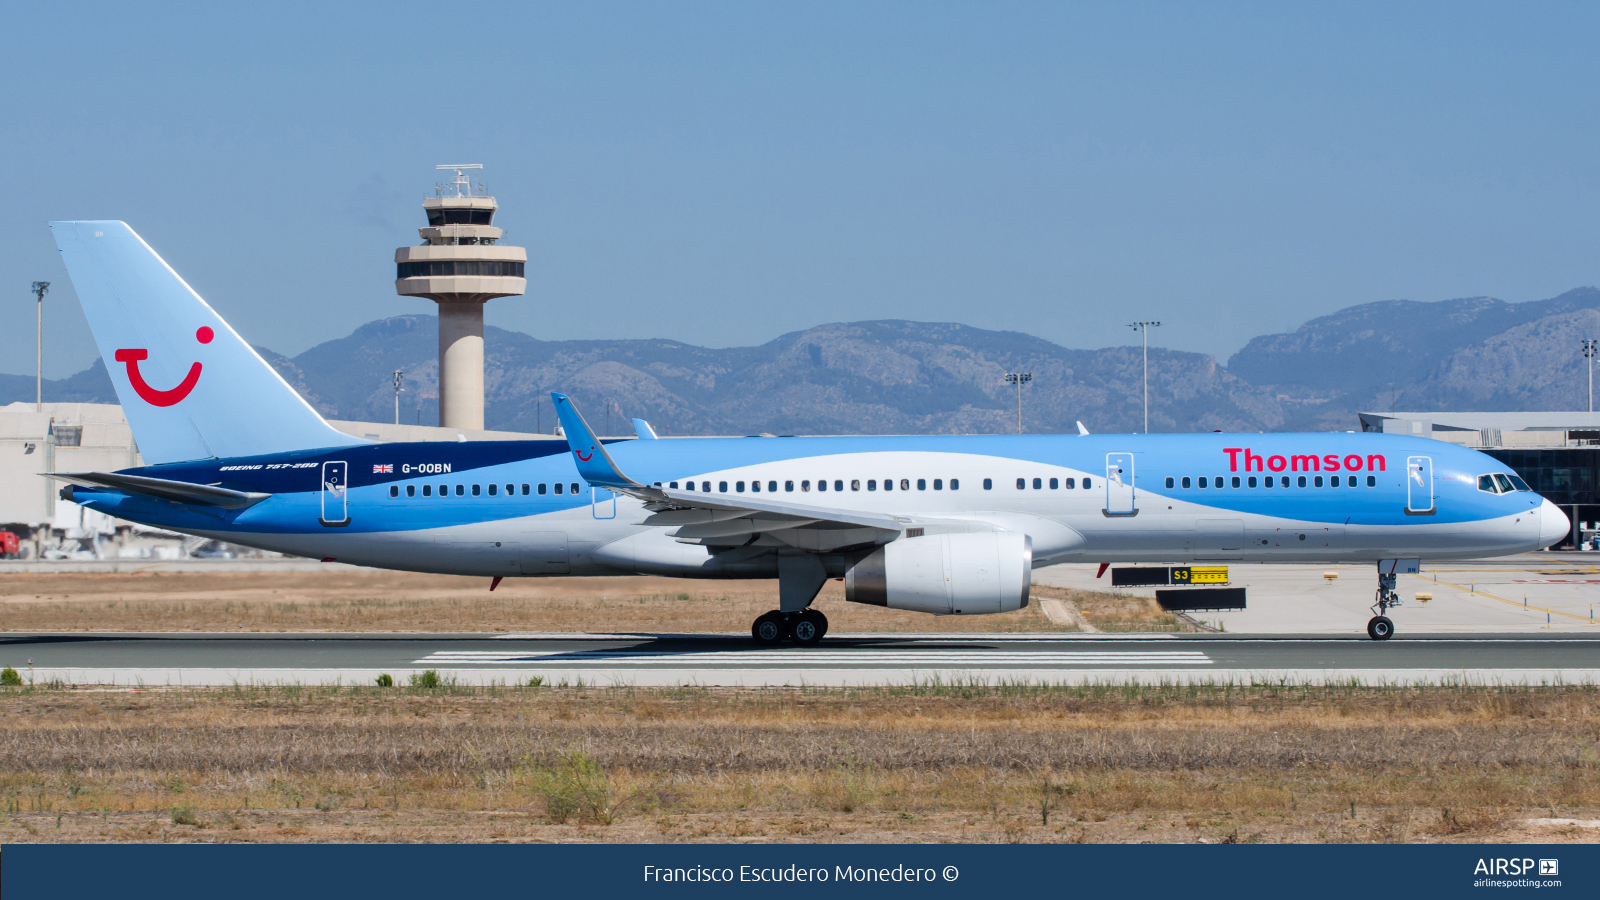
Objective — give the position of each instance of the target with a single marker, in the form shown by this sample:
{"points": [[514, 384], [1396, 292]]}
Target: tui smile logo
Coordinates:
{"points": [[580, 456], [152, 396]]}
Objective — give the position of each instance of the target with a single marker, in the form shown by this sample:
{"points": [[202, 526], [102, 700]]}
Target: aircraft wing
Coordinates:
{"points": [[703, 518], [163, 489]]}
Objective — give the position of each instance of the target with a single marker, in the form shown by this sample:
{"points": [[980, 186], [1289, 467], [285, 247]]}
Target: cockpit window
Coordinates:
{"points": [[1519, 484], [1486, 483], [1506, 486]]}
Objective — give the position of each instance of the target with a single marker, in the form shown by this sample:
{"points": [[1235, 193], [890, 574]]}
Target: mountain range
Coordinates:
{"points": [[903, 377]]}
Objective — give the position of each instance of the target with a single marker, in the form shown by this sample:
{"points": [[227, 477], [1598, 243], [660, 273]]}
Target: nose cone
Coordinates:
{"points": [[1554, 526]]}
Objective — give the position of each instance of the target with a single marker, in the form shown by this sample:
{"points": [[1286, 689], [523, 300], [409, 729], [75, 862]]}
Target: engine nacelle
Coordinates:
{"points": [[960, 574]]}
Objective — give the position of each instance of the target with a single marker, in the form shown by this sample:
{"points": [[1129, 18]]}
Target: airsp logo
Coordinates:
{"points": [[1515, 867]]}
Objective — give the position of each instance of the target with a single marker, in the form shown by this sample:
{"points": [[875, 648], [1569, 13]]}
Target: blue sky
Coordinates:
{"points": [[724, 173]]}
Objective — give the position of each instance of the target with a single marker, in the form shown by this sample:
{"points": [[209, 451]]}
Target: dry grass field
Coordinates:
{"points": [[376, 600], [935, 763]]}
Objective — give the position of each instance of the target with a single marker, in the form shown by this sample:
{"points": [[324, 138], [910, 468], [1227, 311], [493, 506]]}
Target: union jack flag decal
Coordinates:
{"points": [[383, 468]]}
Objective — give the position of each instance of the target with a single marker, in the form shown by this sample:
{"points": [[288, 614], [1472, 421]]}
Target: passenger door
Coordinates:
{"points": [[335, 510], [1119, 485], [1419, 486]]}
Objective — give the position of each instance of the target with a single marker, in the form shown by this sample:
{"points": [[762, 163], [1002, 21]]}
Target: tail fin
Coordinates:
{"points": [[189, 385]]}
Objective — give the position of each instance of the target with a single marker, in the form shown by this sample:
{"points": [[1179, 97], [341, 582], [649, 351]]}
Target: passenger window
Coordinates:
{"points": [[922, 484], [1038, 483], [541, 488], [705, 486], [1171, 481], [559, 487], [1022, 484], [805, 485], [1086, 484], [461, 490], [755, 486], [955, 484], [722, 487], [673, 485], [872, 484], [822, 485], [1056, 483], [1316, 482], [477, 490], [938, 484], [772, 486], [1070, 483], [1203, 482], [1301, 481], [738, 487], [574, 487], [525, 490], [988, 484], [1251, 481], [394, 490], [494, 490], [1333, 481], [788, 485], [1235, 481], [905, 484], [411, 490], [855, 484], [888, 484], [838, 484], [427, 490], [1372, 481], [1486, 483], [1218, 482]]}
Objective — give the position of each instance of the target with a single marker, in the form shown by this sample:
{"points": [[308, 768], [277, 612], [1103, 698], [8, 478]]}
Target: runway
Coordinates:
{"points": [[734, 660]]}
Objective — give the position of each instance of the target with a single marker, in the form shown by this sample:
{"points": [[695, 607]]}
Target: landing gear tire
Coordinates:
{"points": [[1380, 628], [770, 629], [808, 627]]}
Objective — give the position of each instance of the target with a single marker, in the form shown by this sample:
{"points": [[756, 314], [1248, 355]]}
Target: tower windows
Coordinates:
{"points": [[438, 268]]}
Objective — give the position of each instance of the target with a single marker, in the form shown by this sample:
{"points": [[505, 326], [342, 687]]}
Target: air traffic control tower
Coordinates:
{"points": [[460, 265]]}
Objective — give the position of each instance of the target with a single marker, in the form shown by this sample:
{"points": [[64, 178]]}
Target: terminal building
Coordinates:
{"points": [[1557, 453]]}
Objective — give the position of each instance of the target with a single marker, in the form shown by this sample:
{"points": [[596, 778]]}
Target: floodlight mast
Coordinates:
{"points": [[40, 288], [1019, 379], [1144, 329], [1590, 348]]}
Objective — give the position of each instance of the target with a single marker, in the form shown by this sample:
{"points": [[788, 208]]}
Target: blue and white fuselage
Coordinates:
{"points": [[491, 508], [940, 524]]}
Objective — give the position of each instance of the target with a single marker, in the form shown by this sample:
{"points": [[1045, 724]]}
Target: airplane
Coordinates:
{"points": [[947, 525]]}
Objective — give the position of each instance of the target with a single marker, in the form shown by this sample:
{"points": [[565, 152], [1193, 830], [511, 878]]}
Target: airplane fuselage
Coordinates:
{"points": [[521, 508]]}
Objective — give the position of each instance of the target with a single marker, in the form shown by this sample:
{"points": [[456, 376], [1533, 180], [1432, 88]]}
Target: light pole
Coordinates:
{"points": [[1590, 348], [397, 377], [1019, 379], [40, 288], [1144, 329]]}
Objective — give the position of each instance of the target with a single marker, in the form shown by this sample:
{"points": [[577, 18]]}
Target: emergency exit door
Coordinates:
{"points": [[335, 494], [1119, 485]]}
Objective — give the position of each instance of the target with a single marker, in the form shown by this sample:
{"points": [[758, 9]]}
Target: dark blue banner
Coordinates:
{"points": [[311, 872]]}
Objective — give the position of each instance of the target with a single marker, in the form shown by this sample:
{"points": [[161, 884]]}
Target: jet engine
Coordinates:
{"points": [[943, 574]]}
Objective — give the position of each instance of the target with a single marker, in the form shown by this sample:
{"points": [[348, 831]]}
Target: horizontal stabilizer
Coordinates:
{"points": [[164, 489]]}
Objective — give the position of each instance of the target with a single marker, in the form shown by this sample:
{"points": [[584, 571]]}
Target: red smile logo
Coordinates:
{"points": [[580, 456], [149, 394]]}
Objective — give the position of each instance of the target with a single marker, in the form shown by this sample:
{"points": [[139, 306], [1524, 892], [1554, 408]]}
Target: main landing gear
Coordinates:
{"points": [[805, 627], [1380, 628]]}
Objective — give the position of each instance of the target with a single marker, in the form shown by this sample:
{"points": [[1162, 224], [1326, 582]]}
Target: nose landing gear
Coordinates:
{"points": [[805, 628], [1380, 628]]}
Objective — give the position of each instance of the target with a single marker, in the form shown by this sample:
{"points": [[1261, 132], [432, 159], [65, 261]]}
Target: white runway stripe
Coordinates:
{"points": [[765, 658]]}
